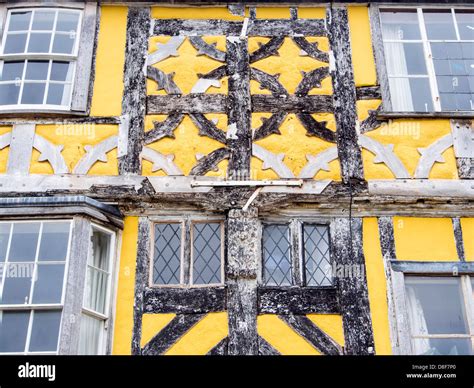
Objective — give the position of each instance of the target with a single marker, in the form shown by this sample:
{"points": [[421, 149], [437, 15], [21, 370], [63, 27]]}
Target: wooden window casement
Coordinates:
{"points": [[46, 57], [187, 252]]}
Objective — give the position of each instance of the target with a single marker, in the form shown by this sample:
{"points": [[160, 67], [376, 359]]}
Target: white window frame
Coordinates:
{"points": [[31, 307], [381, 63], [186, 251], [50, 57], [105, 335]]}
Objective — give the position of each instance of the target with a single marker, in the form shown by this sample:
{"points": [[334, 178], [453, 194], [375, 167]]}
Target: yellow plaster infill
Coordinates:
{"points": [[361, 45], [152, 324], [187, 65], [284, 339], [203, 336], [123, 322], [295, 144], [467, 226], [4, 152], [186, 145], [407, 135], [424, 239], [273, 13], [331, 324], [74, 137], [377, 286], [194, 13], [289, 64], [311, 13], [110, 58]]}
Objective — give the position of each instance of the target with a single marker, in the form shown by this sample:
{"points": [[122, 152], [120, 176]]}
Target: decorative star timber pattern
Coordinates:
{"points": [[239, 103]]}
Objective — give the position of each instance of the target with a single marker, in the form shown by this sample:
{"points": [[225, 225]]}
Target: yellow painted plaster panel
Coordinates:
{"points": [[284, 339], [123, 323], [407, 136], [273, 13], [295, 144], [194, 13], [467, 226], [187, 65], [311, 13], [4, 152], [152, 324], [361, 45], [377, 286], [203, 336], [110, 58], [289, 64], [186, 145], [74, 138], [424, 239], [331, 324]]}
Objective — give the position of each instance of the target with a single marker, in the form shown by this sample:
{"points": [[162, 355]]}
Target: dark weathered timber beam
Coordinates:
{"points": [[430, 268], [387, 238], [270, 126], [220, 349], [210, 161], [239, 132], [268, 81], [311, 48], [312, 79], [268, 49], [184, 300], [191, 103], [171, 333], [458, 237], [164, 128], [257, 27], [208, 128], [292, 104], [265, 349], [347, 252], [134, 94], [345, 111], [313, 334], [141, 280], [316, 128], [368, 93], [297, 300]]}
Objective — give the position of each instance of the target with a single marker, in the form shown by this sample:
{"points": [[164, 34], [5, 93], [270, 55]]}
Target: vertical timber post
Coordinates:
{"points": [[243, 251], [134, 94], [344, 95], [239, 134]]}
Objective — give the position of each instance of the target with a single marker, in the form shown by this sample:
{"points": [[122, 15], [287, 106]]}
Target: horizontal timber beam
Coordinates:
{"points": [[433, 268]]}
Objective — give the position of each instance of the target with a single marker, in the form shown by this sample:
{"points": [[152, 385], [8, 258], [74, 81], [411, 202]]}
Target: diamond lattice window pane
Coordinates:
{"points": [[316, 253], [167, 254], [207, 253], [276, 255]]}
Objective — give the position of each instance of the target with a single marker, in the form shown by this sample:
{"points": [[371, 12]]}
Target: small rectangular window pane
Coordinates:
{"points": [[17, 284], [410, 94], [12, 70], [13, 330], [405, 58], [447, 50], [37, 70], [316, 255], [63, 43], [39, 42], [276, 255], [421, 94], [61, 71], [15, 44], [207, 251], [9, 94], [442, 346], [24, 241], [400, 25], [465, 20], [4, 237], [48, 287], [439, 24], [33, 93], [19, 21], [167, 254], [54, 241], [43, 20], [58, 94], [89, 337], [45, 331], [435, 305], [67, 21]]}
